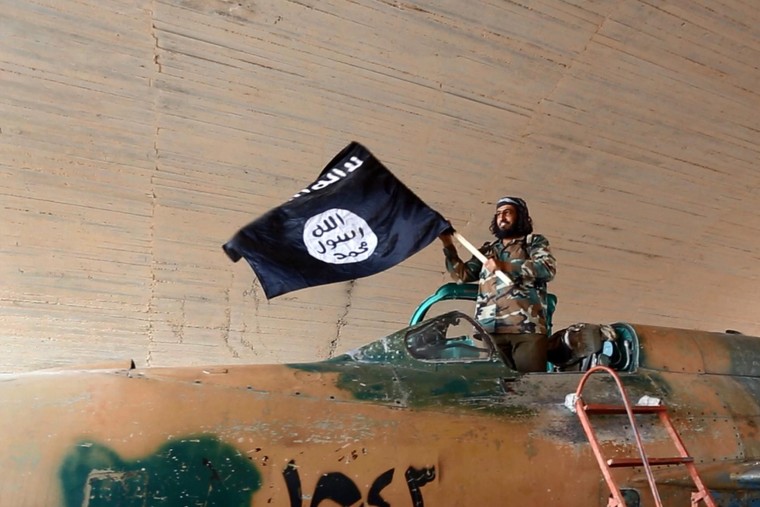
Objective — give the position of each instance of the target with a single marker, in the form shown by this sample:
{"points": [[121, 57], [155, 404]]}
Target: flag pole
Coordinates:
{"points": [[482, 258]]}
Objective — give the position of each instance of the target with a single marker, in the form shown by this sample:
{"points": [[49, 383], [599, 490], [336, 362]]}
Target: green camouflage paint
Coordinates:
{"points": [[185, 472], [456, 385]]}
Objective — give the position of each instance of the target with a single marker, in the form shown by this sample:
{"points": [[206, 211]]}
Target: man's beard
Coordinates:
{"points": [[515, 230], [507, 233]]}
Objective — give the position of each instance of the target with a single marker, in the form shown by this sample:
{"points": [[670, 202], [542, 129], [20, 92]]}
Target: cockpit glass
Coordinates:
{"points": [[451, 337]]}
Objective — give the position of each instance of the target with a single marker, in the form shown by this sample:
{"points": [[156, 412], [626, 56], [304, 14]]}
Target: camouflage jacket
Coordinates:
{"points": [[519, 307]]}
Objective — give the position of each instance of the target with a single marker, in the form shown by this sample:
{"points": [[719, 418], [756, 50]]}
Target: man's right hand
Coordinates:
{"points": [[447, 239], [446, 236]]}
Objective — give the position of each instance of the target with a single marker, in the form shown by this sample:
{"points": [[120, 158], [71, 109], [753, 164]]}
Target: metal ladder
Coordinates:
{"points": [[584, 409]]}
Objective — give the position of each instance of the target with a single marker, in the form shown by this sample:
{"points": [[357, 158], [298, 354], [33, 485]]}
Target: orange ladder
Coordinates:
{"points": [[584, 409]]}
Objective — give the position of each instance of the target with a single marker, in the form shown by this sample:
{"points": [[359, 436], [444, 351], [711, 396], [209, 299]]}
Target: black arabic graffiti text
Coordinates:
{"points": [[339, 488]]}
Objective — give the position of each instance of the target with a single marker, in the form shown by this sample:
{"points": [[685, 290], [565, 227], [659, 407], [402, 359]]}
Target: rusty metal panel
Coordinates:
{"points": [[689, 351]]}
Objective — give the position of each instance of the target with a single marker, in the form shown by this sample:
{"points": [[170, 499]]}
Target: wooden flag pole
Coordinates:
{"points": [[482, 258]]}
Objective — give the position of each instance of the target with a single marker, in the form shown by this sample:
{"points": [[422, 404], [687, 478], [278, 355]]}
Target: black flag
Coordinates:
{"points": [[355, 220]]}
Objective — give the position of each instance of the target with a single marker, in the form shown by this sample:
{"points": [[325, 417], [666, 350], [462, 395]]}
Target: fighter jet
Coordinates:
{"points": [[626, 414]]}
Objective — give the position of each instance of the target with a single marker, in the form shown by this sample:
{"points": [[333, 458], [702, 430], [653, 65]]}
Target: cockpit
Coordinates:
{"points": [[454, 337], [450, 337]]}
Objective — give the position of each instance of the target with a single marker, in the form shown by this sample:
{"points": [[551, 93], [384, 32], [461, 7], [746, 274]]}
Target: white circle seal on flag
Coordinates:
{"points": [[338, 236]]}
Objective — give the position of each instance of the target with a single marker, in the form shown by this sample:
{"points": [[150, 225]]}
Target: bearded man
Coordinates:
{"points": [[513, 313]]}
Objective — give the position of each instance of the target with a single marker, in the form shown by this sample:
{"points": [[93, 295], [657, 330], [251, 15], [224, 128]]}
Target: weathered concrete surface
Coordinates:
{"points": [[136, 137]]}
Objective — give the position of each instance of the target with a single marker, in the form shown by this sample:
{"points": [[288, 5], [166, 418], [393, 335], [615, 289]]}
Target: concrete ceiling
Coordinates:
{"points": [[137, 137]]}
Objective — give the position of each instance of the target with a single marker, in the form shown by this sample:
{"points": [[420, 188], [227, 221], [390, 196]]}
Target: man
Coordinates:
{"points": [[514, 313]]}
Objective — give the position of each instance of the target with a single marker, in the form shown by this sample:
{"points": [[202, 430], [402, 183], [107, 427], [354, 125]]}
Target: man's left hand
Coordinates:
{"points": [[491, 265]]}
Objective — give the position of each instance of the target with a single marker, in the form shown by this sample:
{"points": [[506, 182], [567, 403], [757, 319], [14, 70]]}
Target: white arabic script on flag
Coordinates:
{"points": [[338, 236]]}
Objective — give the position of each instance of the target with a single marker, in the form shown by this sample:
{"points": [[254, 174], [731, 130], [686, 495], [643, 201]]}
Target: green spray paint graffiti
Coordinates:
{"points": [[185, 472]]}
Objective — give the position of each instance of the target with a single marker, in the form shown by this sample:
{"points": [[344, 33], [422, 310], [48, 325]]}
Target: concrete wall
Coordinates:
{"points": [[137, 137]]}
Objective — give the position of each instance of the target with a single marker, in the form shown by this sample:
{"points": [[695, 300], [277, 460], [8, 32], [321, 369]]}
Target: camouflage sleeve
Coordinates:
{"points": [[465, 271], [539, 266]]}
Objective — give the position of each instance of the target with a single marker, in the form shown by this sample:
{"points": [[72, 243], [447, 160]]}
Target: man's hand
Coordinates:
{"points": [[491, 265], [447, 239]]}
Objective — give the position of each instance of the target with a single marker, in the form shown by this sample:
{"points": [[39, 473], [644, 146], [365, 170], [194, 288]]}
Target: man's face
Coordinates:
{"points": [[506, 216]]}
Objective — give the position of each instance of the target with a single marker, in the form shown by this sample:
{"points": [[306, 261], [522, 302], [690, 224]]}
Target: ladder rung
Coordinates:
{"points": [[595, 408], [636, 462]]}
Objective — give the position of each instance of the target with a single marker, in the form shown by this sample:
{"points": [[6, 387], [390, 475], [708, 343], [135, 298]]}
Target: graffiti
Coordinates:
{"points": [[373, 497], [191, 471], [415, 479], [341, 489], [205, 471]]}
